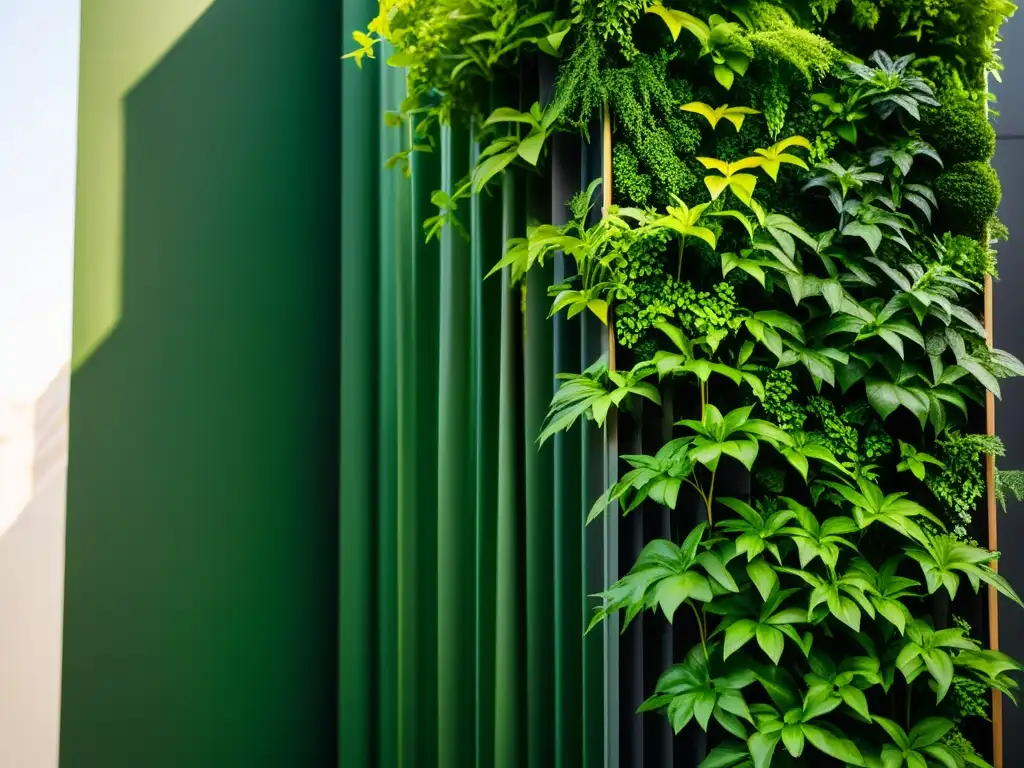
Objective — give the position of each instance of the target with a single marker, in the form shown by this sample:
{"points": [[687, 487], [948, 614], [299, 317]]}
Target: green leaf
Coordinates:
{"points": [[940, 667], [834, 746], [772, 642], [737, 635], [929, 731], [763, 576], [793, 739], [744, 451], [490, 167], [833, 293], [948, 758], [982, 374], [725, 756], [724, 75], [717, 570], [743, 509], [762, 748], [680, 711], [703, 707], [529, 148], [893, 612], [855, 700], [896, 733], [509, 115], [732, 701], [684, 586], [782, 322], [870, 233], [799, 462], [883, 396], [730, 722]]}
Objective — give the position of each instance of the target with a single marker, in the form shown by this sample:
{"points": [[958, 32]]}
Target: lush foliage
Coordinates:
{"points": [[793, 263]]}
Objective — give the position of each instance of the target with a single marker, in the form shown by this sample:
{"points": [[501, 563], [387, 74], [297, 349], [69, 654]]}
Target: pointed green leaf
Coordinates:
{"points": [[763, 576]]}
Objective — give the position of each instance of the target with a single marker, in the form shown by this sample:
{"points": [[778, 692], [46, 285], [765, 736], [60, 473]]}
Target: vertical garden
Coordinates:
{"points": [[785, 263]]}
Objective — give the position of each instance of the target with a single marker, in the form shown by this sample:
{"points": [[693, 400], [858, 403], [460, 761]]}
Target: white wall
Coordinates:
{"points": [[17, 452], [31, 603], [32, 592]]}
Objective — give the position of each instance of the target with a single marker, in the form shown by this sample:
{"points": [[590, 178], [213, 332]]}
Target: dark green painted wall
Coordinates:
{"points": [[201, 602]]}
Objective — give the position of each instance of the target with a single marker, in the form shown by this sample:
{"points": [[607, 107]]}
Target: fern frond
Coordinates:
{"points": [[1009, 481]]}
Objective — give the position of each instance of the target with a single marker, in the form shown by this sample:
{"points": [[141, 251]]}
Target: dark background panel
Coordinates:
{"points": [[1010, 92], [201, 601], [1008, 316]]}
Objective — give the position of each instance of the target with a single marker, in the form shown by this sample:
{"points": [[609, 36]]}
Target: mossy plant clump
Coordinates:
{"points": [[969, 195], [960, 131]]}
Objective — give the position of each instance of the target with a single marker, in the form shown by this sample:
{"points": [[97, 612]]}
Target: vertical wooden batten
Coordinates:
{"points": [[990, 504], [606, 204], [993, 539]]}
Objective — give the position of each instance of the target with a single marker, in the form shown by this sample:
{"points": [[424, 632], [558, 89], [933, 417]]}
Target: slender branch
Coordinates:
{"points": [[696, 486], [705, 497], [700, 628], [679, 267], [710, 497]]}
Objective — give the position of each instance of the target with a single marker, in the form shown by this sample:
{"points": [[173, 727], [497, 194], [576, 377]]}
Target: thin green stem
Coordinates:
{"points": [[700, 628], [705, 497], [710, 498], [679, 267]]}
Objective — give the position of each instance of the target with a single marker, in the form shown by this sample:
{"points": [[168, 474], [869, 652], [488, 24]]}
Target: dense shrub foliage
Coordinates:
{"points": [[794, 260]]}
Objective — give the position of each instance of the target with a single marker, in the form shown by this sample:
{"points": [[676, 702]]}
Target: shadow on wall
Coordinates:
{"points": [[201, 587]]}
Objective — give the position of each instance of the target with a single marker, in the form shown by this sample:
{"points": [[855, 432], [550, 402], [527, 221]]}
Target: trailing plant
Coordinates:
{"points": [[961, 483]]}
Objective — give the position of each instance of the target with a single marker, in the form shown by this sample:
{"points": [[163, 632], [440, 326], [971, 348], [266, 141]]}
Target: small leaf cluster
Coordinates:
{"points": [[961, 484]]}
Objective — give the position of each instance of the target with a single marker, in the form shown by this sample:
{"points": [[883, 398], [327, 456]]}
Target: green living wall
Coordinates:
{"points": [[201, 588], [791, 256]]}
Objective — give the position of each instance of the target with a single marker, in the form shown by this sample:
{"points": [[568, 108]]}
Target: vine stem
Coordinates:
{"points": [[710, 497], [705, 497], [700, 628], [679, 266]]}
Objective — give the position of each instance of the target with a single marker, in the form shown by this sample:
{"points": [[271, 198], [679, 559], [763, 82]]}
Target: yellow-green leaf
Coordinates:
{"points": [[770, 166], [711, 114], [714, 163], [677, 21], [742, 185], [716, 185], [744, 164], [600, 308], [792, 141], [704, 234]]}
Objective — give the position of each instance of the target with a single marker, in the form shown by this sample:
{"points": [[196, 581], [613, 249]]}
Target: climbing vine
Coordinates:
{"points": [[802, 223]]}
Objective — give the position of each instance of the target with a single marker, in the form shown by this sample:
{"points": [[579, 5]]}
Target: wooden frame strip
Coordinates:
{"points": [[993, 539]]}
